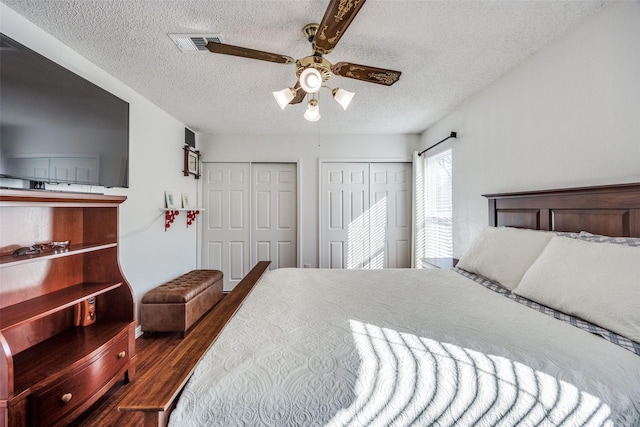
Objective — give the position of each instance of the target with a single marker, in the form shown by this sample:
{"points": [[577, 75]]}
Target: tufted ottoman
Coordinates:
{"points": [[176, 305]]}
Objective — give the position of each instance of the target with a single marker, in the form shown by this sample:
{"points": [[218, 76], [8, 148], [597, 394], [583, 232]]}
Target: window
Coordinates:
{"points": [[438, 206]]}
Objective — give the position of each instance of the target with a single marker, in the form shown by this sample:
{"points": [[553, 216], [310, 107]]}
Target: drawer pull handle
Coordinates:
{"points": [[66, 397], [121, 354]]}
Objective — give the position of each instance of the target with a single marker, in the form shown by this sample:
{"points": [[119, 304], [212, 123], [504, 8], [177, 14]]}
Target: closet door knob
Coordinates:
{"points": [[66, 397], [121, 354]]}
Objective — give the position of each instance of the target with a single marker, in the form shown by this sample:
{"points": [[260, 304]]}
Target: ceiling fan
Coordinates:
{"points": [[313, 70]]}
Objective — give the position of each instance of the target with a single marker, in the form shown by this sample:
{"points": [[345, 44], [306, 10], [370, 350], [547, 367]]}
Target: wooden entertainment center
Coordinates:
{"points": [[51, 367]]}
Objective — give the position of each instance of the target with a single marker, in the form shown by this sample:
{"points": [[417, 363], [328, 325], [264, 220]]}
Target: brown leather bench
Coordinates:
{"points": [[176, 305]]}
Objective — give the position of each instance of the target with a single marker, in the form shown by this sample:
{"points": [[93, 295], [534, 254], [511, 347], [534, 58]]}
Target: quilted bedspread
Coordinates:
{"points": [[399, 348]]}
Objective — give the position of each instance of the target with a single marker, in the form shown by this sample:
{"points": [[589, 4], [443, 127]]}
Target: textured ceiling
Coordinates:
{"points": [[446, 51]]}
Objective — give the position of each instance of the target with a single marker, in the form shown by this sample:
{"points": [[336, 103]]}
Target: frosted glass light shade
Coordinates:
{"points": [[310, 80], [313, 111], [283, 97], [342, 97]]}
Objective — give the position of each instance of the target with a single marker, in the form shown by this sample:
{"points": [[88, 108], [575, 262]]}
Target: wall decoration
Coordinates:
{"points": [[191, 216], [185, 201], [172, 209], [170, 200], [191, 162]]}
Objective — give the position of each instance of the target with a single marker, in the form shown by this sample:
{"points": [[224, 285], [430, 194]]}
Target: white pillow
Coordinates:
{"points": [[504, 254], [599, 282]]}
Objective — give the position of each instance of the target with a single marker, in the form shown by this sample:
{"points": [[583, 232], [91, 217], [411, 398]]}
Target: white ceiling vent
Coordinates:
{"points": [[194, 42]]}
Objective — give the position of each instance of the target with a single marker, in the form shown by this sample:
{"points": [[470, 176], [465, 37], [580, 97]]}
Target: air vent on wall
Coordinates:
{"points": [[194, 42]]}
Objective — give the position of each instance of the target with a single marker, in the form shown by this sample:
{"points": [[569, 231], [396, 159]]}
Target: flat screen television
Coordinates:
{"points": [[57, 127]]}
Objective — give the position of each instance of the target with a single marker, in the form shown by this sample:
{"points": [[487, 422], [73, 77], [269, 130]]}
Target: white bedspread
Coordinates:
{"points": [[403, 347]]}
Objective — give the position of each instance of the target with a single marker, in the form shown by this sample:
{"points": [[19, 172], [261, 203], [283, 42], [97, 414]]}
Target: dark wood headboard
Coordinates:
{"points": [[611, 210]]}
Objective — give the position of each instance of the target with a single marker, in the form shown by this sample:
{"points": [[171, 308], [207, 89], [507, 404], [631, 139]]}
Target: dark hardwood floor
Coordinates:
{"points": [[104, 412]]}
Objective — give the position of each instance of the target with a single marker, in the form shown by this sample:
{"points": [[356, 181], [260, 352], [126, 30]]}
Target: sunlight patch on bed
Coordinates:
{"points": [[404, 379]]}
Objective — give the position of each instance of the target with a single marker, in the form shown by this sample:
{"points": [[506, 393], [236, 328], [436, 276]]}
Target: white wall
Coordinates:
{"points": [[568, 116], [148, 254], [308, 151]]}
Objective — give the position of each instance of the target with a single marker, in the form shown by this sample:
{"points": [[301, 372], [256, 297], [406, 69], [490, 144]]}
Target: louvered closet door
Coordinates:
{"points": [[365, 215], [226, 234]]}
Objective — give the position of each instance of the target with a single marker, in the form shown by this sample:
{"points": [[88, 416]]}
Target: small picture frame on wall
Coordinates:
{"points": [[170, 200], [185, 201], [191, 162]]}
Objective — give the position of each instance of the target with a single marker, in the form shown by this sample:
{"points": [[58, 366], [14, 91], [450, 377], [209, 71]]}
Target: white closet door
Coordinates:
{"points": [[250, 215], [273, 214], [390, 229], [365, 210], [344, 215], [226, 231]]}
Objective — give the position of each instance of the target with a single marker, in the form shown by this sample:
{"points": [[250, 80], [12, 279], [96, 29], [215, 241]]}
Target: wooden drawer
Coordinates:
{"points": [[50, 404]]}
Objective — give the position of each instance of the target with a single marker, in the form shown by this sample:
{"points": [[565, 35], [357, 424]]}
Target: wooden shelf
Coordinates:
{"points": [[14, 197], [46, 361], [13, 260], [42, 351], [30, 310]]}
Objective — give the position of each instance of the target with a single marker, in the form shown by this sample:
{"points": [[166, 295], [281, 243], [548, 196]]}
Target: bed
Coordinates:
{"points": [[523, 333]]}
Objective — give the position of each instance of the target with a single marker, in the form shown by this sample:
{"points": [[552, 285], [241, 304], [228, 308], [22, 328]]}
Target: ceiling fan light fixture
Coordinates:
{"points": [[313, 70], [284, 97], [310, 80], [342, 97], [313, 111]]}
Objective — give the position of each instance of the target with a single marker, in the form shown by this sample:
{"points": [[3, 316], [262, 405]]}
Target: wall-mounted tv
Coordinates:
{"points": [[57, 127]]}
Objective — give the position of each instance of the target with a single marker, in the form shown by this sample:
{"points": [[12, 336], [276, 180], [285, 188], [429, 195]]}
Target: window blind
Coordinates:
{"points": [[438, 206]]}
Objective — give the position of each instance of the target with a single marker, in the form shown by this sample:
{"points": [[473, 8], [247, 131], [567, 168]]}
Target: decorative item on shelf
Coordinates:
{"points": [[185, 201], [27, 250], [40, 247], [191, 213], [171, 211], [191, 162], [170, 201], [84, 312]]}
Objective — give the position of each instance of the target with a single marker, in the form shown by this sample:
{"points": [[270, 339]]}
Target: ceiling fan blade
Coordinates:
{"points": [[366, 73], [337, 18], [300, 94], [227, 49]]}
